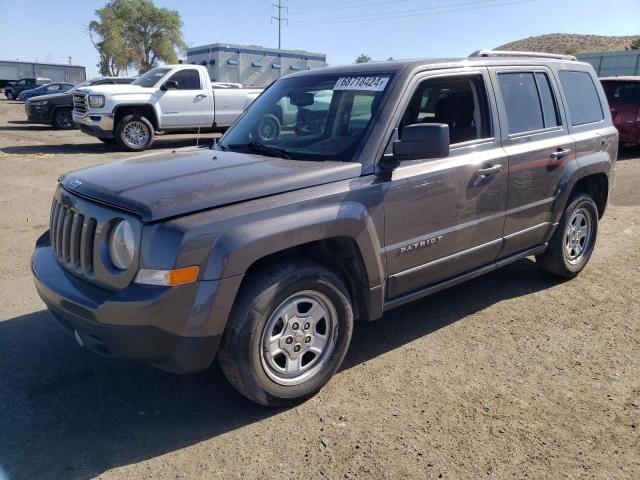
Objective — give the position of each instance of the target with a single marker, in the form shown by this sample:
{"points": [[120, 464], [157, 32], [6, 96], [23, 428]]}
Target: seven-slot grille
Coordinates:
{"points": [[80, 104], [72, 237]]}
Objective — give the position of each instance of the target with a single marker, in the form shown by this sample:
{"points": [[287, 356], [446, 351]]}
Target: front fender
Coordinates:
{"points": [[238, 247]]}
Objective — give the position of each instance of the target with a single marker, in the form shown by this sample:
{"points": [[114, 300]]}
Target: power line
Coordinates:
{"points": [[280, 19], [409, 13]]}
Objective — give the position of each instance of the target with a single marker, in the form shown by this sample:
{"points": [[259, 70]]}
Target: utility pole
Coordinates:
{"points": [[280, 19]]}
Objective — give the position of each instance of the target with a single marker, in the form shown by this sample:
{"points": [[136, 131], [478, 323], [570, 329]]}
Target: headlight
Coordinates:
{"points": [[122, 245], [96, 101], [38, 103]]}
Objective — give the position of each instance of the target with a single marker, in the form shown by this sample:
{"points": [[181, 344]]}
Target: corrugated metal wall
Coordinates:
{"points": [[252, 66], [613, 64]]}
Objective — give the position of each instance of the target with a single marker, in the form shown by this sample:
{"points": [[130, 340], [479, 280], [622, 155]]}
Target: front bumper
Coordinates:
{"points": [[37, 115], [96, 124], [162, 326]]}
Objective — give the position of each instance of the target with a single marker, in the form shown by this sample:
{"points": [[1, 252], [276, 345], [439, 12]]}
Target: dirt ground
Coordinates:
{"points": [[512, 375]]}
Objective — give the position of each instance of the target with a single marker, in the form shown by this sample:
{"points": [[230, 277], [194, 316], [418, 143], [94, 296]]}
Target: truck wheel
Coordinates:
{"points": [[62, 119], [268, 128], [134, 132], [288, 333], [10, 95], [572, 243]]}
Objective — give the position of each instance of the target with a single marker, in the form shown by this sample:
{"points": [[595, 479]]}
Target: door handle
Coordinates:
{"points": [[492, 170], [201, 95], [560, 153]]}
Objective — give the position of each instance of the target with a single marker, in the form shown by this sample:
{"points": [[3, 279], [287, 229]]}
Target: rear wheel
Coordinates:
{"points": [[134, 132], [572, 243], [288, 333], [62, 119], [268, 128]]}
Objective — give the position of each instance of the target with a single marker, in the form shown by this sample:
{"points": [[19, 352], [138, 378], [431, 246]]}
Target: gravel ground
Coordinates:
{"points": [[512, 375]]}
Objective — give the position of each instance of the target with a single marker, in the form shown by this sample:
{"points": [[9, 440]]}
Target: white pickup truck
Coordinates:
{"points": [[169, 98]]}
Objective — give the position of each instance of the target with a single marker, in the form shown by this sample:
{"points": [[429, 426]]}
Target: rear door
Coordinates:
{"points": [[539, 148], [444, 217]]}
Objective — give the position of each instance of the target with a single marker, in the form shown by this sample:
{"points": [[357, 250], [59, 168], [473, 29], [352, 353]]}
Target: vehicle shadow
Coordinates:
{"points": [[628, 153], [24, 126], [99, 147], [68, 413]]}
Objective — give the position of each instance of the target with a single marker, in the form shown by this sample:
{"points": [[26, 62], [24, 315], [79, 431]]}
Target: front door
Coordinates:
{"points": [[537, 141], [186, 106], [444, 217]]}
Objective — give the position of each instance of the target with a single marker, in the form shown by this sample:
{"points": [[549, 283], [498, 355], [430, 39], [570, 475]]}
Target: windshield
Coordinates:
{"points": [[150, 78], [309, 117], [622, 91]]}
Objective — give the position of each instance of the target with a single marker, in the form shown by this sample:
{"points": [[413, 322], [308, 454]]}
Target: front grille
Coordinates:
{"points": [[72, 238], [80, 104]]}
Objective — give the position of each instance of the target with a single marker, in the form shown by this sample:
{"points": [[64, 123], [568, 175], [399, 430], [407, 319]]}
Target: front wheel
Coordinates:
{"points": [[288, 333], [134, 132], [62, 119], [572, 243], [10, 95]]}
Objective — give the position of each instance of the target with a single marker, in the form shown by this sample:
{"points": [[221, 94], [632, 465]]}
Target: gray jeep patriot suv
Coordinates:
{"points": [[383, 183]]}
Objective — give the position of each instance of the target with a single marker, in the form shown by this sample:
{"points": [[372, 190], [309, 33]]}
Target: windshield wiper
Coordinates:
{"points": [[261, 148]]}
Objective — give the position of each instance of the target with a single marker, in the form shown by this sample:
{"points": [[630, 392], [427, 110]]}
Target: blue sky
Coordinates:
{"points": [[342, 29]]}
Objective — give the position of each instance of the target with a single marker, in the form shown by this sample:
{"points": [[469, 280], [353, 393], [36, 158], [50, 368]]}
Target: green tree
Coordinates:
{"points": [[362, 58], [135, 33], [634, 45]]}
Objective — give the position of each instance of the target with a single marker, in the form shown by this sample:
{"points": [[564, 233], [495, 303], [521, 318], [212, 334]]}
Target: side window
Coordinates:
{"points": [[187, 79], [53, 88], [521, 101], [582, 97], [460, 102], [549, 106]]}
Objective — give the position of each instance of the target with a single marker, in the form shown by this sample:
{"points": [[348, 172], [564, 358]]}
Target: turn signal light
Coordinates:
{"points": [[169, 278]]}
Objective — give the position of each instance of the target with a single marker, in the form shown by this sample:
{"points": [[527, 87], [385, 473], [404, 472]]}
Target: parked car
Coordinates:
{"points": [[55, 109], [170, 98], [266, 253], [12, 90], [48, 89], [623, 94]]}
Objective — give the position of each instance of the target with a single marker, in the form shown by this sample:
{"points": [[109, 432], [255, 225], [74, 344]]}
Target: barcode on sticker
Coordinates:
{"points": [[371, 84]]}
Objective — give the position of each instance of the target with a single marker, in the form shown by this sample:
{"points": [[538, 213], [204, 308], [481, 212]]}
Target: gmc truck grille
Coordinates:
{"points": [[80, 104], [72, 237]]}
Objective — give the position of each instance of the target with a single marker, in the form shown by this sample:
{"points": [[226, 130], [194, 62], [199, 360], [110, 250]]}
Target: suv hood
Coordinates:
{"points": [[159, 186], [52, 96]]}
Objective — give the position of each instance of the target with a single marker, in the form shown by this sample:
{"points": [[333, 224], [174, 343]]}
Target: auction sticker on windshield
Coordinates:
{"points": [[371, 84]]}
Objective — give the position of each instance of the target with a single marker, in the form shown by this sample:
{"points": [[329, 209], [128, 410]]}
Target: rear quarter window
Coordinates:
{"points": [[582, 97]]}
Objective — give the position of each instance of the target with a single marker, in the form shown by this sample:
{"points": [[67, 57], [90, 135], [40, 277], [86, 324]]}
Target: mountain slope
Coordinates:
{"points": [[568, 43]]}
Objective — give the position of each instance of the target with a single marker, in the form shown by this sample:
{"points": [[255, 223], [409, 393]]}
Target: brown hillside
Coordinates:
{"points": [[567, 43]]}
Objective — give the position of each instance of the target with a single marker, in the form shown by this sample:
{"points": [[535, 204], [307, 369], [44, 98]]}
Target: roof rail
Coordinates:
{"points": [[507, 53]]}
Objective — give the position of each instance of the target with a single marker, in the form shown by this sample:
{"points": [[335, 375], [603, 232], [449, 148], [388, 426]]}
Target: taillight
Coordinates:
{"points": [[638, 115]]}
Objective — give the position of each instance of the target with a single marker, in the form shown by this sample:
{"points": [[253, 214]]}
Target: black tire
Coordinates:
{"points": [[268, 128], [107, 140], [556, 260], [241, 351], [10, 95], [62, 119], [140, 122]]}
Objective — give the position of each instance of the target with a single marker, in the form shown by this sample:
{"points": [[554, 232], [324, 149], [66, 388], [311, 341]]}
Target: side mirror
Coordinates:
{"points": [[302, 99], [422, 141], [169, 85]]}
